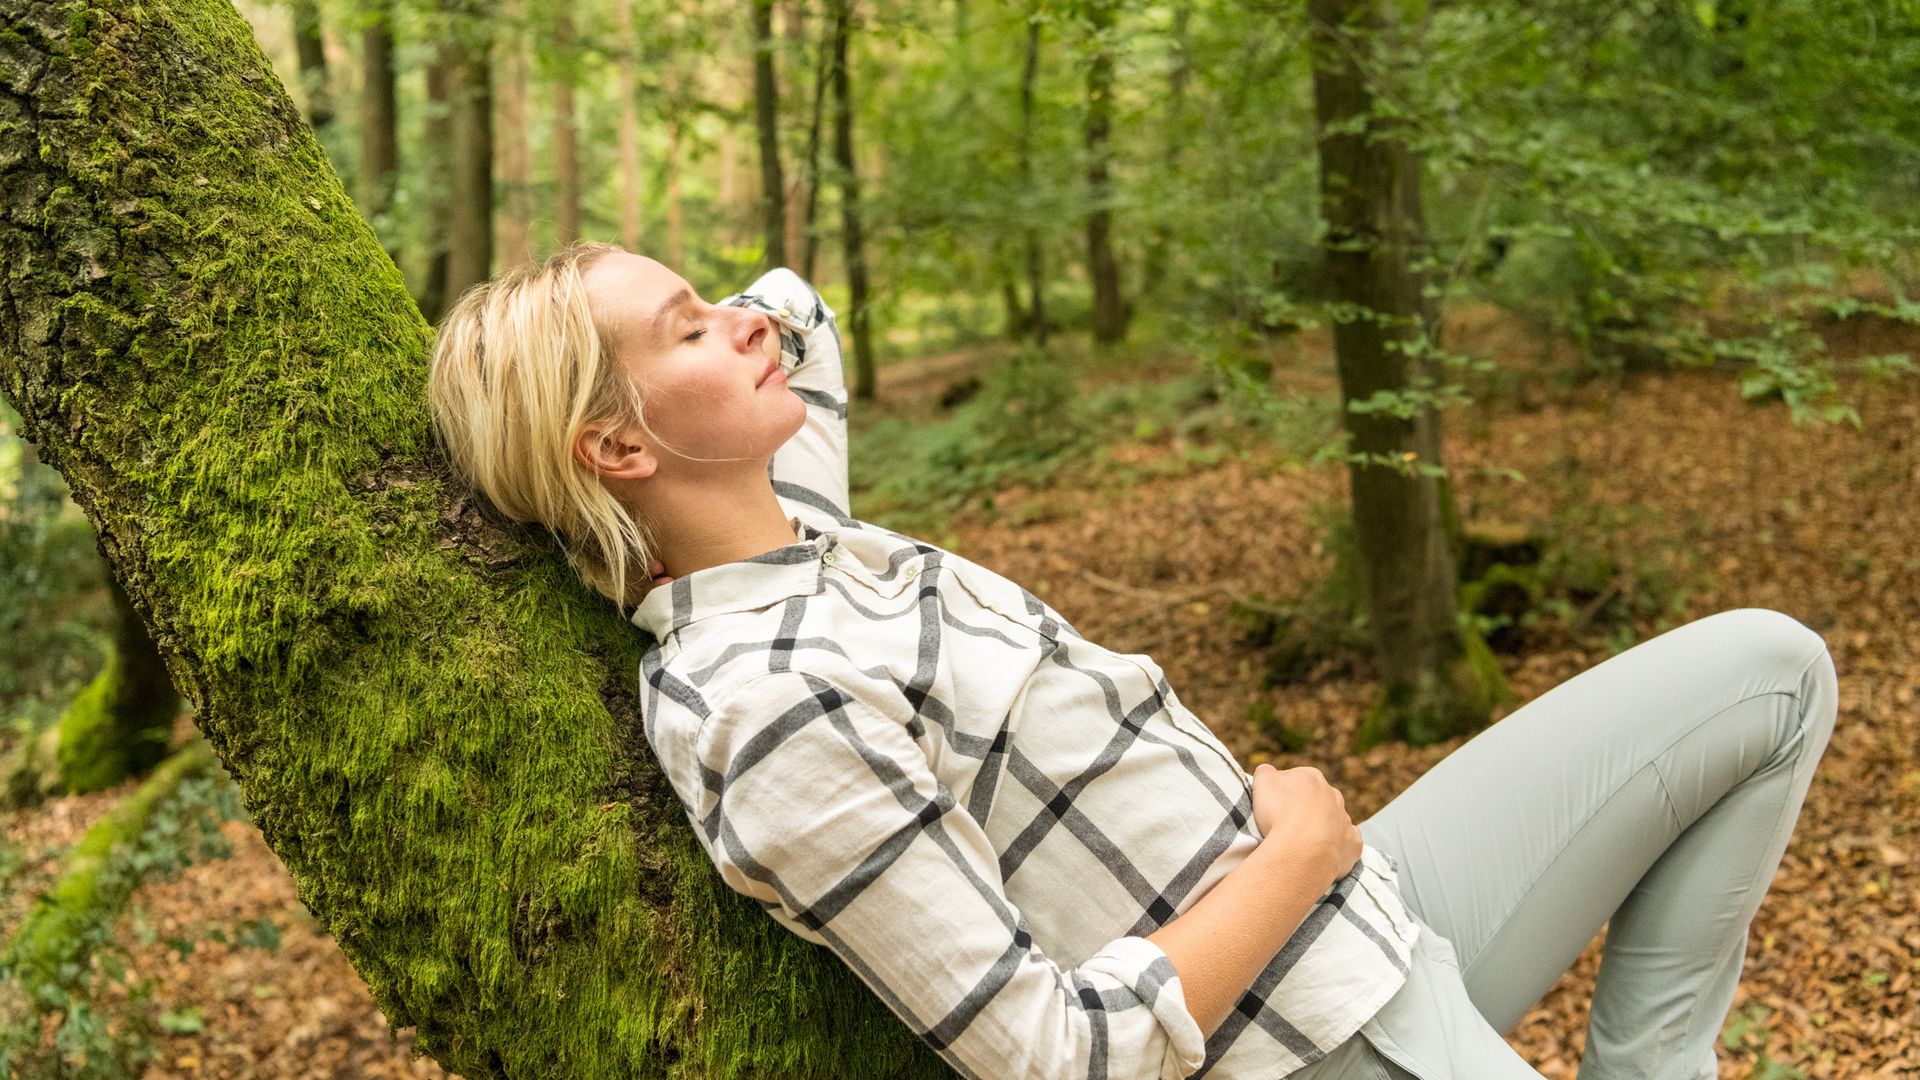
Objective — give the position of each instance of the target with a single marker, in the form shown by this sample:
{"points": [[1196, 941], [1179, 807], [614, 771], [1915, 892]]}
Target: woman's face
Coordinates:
{"points": [[702, 370]]}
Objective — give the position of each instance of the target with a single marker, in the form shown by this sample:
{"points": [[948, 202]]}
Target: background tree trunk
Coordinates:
{"points": [[566, 141], [1109, 308], [800, 181], [438, 127], [513, 159], [379, 114], [434, 725], [470, 227], [1435, 686], [627, 68], [766, 113], [854, 242], [311, 49], [121, 723], [1036, 268]]}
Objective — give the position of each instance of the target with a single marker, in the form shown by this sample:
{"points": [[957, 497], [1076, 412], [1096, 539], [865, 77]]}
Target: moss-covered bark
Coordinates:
{"points": [[433, 724]]}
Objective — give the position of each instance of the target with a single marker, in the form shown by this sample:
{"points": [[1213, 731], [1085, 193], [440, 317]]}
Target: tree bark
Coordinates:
{"points": [[379, 114], [852, 239], [513, 160], [1109, 308], [470, 226], [1036, 258], [440, 80], [1182, 72], [566, 142], [766, 115], [310, 51], [801, 181], [1436, 683], [434, 725]]}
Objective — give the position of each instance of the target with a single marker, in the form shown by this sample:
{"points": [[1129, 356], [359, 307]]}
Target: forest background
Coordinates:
{"points": [[1648, 270]]}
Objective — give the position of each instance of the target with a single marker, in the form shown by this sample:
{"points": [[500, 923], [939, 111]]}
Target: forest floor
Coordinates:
{"points": [[1726, 504]]}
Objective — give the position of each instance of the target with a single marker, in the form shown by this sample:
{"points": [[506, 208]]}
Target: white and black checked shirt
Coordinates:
{"points": [[912, 760]]}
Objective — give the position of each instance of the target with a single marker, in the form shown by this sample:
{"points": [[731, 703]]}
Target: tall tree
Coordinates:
{"points": [[566, 139], [311, 50], [627, 87], [437, 149], [766, 115], [1110, 312], [379, 112], [853, 240], [432, 723], [470, 225], [1036, 269], [1404, 522], [513, 159], [801, 180], [1178, 76]]}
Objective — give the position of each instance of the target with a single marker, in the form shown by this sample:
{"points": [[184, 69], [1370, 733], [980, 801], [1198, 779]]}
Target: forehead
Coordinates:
{"points": [[625, 290]]}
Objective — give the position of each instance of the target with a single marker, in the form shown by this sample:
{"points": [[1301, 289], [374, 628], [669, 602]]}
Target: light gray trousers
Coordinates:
{"points": [[1657, 790]]}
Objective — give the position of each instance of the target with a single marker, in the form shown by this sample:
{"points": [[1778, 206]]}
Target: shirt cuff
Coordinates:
{"points": [[1144, 968]]}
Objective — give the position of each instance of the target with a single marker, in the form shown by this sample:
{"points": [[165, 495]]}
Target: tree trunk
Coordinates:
{"points": [[379, 115], [433, 296], [1109, 309], [676, 215], [310, 51], [470, 227], [119, 726], [1155, 270], [514, 161], [434, 725], [801, 181], [821, 77], [1036, 269], [627, 86], [853, 241], [766, 114], [566, 143], [1436, 683]]}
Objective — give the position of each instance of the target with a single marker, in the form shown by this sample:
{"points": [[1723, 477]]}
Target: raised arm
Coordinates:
{"points": [[823, 807], [809, 473]]}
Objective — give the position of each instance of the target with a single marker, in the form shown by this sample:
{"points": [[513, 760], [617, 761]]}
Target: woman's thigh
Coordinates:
{"points": [[1521, 843]]}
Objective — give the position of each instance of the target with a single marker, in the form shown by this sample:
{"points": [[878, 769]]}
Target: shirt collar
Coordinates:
{"points": [[745, 585]]}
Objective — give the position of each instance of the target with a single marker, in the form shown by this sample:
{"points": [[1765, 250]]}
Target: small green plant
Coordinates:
{"points": [[1746, 1030]]}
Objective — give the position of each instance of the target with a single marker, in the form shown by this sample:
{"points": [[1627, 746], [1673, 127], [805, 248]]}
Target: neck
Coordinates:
{"points": [[710, 525]]}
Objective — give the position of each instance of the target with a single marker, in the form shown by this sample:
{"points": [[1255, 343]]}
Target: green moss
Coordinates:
{"points": [[443, 747], [86, 893]]}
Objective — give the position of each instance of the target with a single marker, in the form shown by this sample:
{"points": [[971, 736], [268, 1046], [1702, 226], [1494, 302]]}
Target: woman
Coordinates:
{"points": [[1023, 842]]}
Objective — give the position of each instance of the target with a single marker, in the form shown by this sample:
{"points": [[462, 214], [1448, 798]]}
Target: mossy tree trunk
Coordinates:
{"points": [[433, 724], [1438, 682]]}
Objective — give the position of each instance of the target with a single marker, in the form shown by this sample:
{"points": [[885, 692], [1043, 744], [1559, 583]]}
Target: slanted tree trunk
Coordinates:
{"points": [[310, 52], [1437, 682], [566, 142], [470, 227], [379, 114], [1109, 308], [434, 725], [513, 160], [852, 240], [1036, 268], [766, 116]]}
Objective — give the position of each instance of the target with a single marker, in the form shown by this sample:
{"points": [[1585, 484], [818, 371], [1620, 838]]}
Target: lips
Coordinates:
{"points": [[772, 365]]}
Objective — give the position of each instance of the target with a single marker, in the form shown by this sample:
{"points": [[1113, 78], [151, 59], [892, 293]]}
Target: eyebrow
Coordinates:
{"points": [[658, 326]]}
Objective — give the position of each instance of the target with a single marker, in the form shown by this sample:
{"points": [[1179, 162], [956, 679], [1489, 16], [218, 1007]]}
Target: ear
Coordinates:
{"points": [[605, 448]]}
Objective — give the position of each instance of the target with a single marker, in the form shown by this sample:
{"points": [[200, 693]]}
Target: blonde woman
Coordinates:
{"points": [[1040, 859]]}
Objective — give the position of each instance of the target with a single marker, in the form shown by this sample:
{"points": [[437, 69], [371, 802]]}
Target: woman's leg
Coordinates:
{"points": [[1657, 789]]}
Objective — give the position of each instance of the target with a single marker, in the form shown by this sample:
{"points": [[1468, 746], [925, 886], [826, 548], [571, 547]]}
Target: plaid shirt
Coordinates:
{"points": [[912, 760]]}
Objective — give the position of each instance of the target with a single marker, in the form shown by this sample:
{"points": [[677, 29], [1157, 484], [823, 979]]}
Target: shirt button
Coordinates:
{"points": [[827, 558], [912, 572]]}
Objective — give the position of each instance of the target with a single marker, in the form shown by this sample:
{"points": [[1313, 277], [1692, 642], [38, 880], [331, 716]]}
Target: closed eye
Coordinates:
{"points": [[696, 335]]}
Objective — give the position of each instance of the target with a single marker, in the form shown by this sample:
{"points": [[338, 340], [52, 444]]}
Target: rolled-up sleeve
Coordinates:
{"points": [[820, 804]]}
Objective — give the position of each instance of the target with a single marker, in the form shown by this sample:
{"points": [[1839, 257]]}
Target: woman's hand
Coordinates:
{"points": [[1299, 809]]}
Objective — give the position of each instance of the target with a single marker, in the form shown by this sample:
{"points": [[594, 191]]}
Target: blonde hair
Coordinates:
{"points": [[518, 368]]}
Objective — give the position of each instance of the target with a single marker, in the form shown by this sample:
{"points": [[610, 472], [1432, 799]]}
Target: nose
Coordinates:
{"points": [[752, 327]]}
